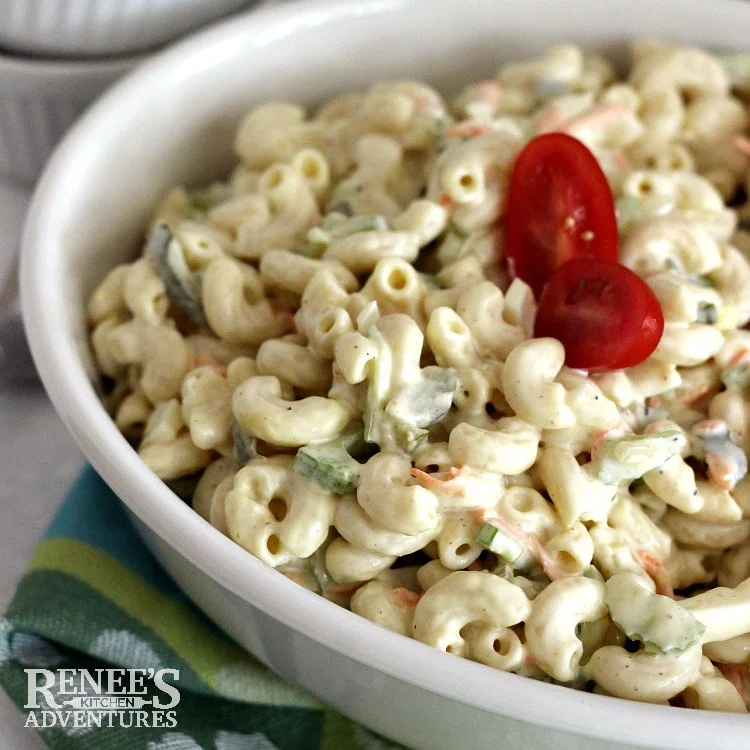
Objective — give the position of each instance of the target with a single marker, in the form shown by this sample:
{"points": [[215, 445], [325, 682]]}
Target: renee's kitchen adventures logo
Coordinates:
{"points": [[82, 698]]}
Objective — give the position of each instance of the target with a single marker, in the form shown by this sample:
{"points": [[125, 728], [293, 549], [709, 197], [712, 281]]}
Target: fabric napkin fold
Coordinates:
{"points": [[94, 598]]}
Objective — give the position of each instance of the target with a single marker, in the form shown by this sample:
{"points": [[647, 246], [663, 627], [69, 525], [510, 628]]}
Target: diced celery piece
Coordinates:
{"points": [[331, 467], [180, 283], [399, 420], [631, 457], [207, 198], [656, 621], [441, 123], [331, 464], [243, 442], [547, 88], [336, 226], [427, 400]]}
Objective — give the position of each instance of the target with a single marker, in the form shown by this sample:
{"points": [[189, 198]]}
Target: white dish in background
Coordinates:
{"points": [[14, 200], [103, 28], [88, 214], [15, 359], [40, 100]]}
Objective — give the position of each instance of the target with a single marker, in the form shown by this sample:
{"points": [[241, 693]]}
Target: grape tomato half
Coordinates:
{"points": [[605, 316], [559, 206]]}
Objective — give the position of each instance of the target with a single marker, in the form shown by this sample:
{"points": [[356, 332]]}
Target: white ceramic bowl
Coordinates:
{"points": [[40, 100], [88, 213], [103, 27]]}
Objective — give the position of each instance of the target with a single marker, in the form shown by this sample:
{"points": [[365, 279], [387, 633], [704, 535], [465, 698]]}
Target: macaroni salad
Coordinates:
{"points": [[329, 357]]}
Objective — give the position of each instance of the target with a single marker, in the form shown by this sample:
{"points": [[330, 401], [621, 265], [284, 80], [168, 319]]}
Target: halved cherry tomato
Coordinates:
{"points": [[606, 316], [560, 206]]}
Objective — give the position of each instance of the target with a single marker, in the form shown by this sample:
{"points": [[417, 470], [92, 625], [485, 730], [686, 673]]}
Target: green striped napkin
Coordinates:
{"points": [[93, 598]]}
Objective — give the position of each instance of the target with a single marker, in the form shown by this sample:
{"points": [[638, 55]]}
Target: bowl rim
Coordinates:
{"points": [[231, 567], [79, 30], [24, 66]]}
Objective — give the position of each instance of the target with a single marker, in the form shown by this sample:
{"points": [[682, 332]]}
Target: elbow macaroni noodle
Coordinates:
{"points": [[340, 297]]}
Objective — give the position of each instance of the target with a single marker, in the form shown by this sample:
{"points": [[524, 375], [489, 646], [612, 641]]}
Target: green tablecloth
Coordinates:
{"points": [[93, 597]]}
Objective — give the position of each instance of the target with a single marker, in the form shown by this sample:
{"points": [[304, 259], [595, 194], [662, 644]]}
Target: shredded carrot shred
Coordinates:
{"points": [[654, 568], [489, 91], [342, 589], [467, 130], [741, 357], [424, 102], [597, 119], [404, 597], [741, 144], [709, 427], [455, 484], [620, 161], [477, 516], [598, 440], [722, 470], [696, 394], [551, 119], [203, 359], [531, 543]]}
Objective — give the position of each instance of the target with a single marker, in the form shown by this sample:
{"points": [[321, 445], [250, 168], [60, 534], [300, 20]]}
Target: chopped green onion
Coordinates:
{"points": [[441, 142], [496, 540], [707, 313], [336, 226]]}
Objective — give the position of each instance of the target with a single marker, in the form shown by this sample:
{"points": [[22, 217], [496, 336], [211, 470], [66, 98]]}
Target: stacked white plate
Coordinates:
{"points": [[102, 28], [57, 56]]}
